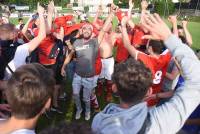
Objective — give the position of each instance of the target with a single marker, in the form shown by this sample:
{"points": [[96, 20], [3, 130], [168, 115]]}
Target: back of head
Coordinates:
{"points": [[69, 128], [157, 46], [133, 80], [28, 90]]}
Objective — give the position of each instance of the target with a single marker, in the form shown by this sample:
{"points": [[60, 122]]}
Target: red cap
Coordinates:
{"points": [[68, 17], [62, 21], [69, 29]]}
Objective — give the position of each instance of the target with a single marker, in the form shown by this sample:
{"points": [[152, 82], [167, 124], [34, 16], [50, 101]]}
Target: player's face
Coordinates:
{"points": [[87, 32]]}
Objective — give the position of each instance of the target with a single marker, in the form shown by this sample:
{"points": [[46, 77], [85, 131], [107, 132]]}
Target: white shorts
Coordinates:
{"points": [[107, 68]]}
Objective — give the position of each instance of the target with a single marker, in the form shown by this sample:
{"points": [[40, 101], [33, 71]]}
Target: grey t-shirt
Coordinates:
{"points": [[86, 54]]}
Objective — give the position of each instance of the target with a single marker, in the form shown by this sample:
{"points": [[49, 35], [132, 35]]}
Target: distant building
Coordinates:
{"points": [[93, 4]]}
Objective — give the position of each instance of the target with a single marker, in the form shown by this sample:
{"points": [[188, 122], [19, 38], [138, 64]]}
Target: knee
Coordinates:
{"points": [[86, 98], [76, 96]]}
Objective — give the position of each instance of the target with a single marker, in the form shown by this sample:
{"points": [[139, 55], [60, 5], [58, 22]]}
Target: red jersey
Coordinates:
{"points": [[121, 52], [30, 25], [45, 48], [158, 67]]}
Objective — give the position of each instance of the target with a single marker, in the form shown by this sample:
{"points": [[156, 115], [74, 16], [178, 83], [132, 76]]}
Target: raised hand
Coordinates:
{"points": [[131, 4], [156, 26], [184, 23], [172, 19], [144, 4], [114, 8], [40, 9], [51, 7]]}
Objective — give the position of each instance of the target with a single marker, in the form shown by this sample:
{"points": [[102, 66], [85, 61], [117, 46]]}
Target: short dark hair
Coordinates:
{"points": [[157, 46], [20, 19], [179, 27], [183, 39], [132, 79], [69, 128], [28, 90]]}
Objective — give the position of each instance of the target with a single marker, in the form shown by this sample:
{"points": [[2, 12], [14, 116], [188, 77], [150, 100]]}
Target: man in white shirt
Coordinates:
{"points": [[8, 32]]}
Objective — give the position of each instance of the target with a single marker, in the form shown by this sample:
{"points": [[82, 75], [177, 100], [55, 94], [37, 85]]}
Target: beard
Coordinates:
{"points": [[87, 37]]}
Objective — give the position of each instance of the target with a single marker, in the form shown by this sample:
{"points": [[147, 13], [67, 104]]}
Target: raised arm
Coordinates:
{"points": [[130, 9], [173, 20], [130, 22], [174, 113], [25, 28], [34, 43], [106, 24], [187, 33], [127, 44], [95, 22], [144, 6], [51, 10], [99, 11]]}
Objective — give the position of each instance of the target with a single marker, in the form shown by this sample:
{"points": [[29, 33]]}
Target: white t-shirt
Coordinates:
{"points": [[24, 131], [19, 59]]}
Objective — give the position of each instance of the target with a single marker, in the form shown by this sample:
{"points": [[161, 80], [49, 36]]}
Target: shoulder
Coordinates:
{"points": [[94, 41], [22, 48]]}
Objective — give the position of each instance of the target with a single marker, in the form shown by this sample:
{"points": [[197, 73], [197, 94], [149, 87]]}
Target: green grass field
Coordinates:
{"points": [[68, 106]]}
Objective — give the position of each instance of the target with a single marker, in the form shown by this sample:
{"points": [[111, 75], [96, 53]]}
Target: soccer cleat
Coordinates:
{"points": [[56, 109]]}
